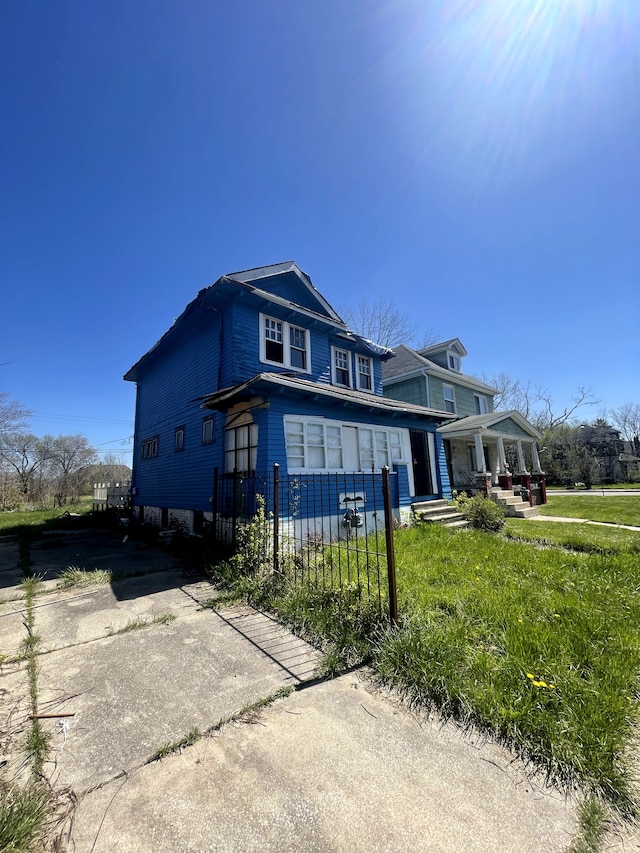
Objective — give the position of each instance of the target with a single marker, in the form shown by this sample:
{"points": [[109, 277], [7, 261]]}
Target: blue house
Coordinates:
{"points": [[260, 369]]}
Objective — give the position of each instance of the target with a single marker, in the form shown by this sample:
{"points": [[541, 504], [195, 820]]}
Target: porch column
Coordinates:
{"points": [[536, 459], [479, 452], [521, 465], [502, 459]]}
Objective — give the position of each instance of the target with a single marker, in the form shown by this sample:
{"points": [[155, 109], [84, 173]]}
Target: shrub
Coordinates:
{"points": [[482, 513]]}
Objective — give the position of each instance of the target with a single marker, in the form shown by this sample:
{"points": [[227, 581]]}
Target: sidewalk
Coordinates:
{"points": [[334, 766]]}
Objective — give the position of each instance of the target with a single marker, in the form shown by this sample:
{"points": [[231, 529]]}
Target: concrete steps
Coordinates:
{"points": [[513, 504], [438, 512]]}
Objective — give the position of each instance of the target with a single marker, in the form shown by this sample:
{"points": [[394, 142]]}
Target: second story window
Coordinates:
{"points": [[449, 399], [481, 404], [341, 367], [365, 374], [178, 439], [283, 343]]}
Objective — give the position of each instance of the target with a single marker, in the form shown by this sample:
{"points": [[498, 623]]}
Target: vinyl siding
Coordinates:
{"points": [[412, 390], [465, 402]]}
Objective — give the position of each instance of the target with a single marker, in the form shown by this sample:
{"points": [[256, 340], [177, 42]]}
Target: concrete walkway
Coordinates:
{"points": [[334, 766], [582, 521]]}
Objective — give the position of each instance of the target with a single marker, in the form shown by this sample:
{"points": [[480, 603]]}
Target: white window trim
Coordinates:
{"points": [[286, 344], [403, 434], [478, 401], [334, 367], [371, 375], [453, 395], [457, 361]]}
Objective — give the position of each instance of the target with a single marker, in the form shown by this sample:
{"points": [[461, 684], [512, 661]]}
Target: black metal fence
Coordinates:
{"points": [[326, 530]]}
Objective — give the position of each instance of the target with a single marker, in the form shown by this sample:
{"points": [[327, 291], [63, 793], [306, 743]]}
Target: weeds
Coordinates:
{"points": [[74, 576], [593, 824], [23, 813], [142, 622]]}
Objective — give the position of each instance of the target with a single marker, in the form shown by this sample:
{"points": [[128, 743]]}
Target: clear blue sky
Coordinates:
{"points": [[477, 162]]}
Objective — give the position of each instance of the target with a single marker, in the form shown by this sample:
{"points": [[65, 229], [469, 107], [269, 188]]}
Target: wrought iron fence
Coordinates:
{"points": [[325, 530]]}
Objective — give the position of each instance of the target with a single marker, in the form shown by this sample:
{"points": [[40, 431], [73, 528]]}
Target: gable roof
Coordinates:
{"points": [[270, 381], [260, 275], [473, 423], [408, 362], [256, 281], [454, 343]]}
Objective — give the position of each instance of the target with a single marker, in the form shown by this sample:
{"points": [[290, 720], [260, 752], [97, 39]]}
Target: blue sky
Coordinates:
{"points": [[477, 162]]}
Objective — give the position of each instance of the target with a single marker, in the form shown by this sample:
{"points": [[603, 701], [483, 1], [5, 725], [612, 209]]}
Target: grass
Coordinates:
{"points": [[21, 521], [623, 509], [74, 576], [142, 622], [23, 813], [540, 648], [577, 537]]}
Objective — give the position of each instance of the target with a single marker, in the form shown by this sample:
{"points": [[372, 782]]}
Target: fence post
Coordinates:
{"points": [[214, 505], [234, 509], [391, 557], [276, 517]]}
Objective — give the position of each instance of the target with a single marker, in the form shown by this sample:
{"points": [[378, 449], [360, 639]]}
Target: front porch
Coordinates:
{"points": [[494, 454]]}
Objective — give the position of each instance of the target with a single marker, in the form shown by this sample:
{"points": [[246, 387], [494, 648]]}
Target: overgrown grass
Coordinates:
{"points": [[74, 576], [29, 520], [617, 509], [23, 813], [578, 537], [541, 648]]}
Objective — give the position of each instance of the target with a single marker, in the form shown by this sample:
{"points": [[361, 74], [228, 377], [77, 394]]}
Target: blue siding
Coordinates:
{"points": [[165, 400]]}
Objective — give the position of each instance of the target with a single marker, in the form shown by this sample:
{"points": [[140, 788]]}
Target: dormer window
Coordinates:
{"points": [[341, 367], [454, 362], [365, 373], [284, 344]]}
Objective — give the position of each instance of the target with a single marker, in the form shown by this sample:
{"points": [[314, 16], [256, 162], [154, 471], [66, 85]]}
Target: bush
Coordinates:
{"points": [[482, 513]]}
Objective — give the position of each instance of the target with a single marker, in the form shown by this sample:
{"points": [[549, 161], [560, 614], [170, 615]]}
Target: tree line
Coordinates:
{"points": [[46, 470]]}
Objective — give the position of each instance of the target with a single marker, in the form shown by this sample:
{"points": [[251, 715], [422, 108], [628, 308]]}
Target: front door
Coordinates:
{"points": [[421, 463]]}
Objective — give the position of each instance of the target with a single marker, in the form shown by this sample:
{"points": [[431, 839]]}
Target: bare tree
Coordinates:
{"points": [[626, 418], [383, 323], [13, 415], [69, 456], [535, 402], [23, 454]]}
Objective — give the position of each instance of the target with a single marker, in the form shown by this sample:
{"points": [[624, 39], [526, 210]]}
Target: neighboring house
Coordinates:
{"points": [[260, 369], [479, 442]]}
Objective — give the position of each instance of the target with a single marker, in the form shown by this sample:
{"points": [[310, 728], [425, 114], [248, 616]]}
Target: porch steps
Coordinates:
{"points": [[438, 512], [514, 505]]}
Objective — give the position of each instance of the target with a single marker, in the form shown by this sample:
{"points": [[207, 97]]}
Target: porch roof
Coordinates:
{"points": [[474, 423], [271, 382]]}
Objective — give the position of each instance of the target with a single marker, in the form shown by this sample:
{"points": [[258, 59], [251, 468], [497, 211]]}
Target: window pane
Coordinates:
{"points": [[334, 447], [365, 437], [298, 343]]}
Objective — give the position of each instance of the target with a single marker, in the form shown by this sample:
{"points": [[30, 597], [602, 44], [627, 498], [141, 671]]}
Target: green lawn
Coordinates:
{"points": [[539, 646], [24, 520], [580, 537], [616, 509]]}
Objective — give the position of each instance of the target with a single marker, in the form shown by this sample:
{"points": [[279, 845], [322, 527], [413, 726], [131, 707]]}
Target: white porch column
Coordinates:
{"points": [[521, 465], [477, 437], [502, 459], [536, 459]]}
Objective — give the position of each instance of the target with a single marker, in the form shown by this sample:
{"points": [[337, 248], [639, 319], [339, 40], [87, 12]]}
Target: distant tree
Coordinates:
{"points": [[23, 454], [627, 419], [69, 456], [535, 402], [13, 415], [383, 323]]}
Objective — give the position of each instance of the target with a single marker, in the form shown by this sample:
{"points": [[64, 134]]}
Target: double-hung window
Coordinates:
{"points": [[480, 404], [365, 373], [449, 395], [207, 431], [341, 367], [178, 439], [284, 343]]}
